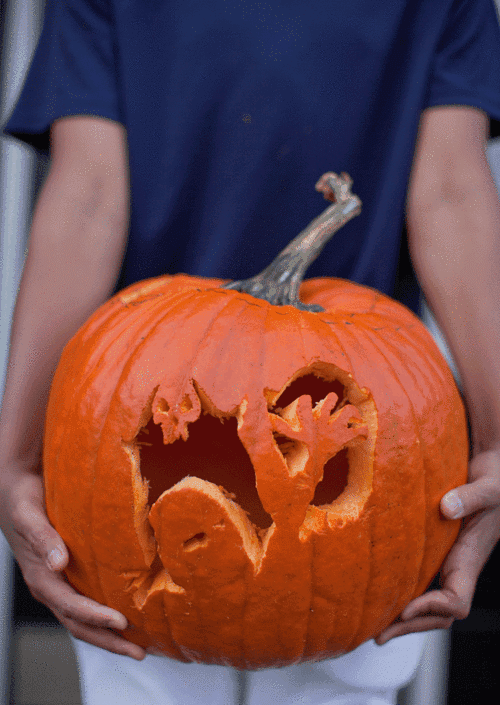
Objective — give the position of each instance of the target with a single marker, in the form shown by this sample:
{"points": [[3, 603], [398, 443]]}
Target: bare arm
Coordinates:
{"points": [[76, 246], [453, 215]]}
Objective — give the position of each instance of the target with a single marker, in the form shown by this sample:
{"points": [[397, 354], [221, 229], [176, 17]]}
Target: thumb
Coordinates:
{"points": [[33, 527], [57, 557], [483, 493]]}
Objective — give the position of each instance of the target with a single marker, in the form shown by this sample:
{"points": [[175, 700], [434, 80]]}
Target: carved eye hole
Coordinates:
{"points": [[315, 387], [336, 469]]}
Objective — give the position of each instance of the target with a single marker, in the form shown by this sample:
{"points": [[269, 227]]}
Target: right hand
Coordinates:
{"points": [[42, 556]]}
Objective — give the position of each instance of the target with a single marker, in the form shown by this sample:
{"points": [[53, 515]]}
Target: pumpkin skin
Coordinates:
{"points": [[187, 434]]}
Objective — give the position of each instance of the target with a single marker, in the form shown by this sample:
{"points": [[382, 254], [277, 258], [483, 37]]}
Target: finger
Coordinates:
{"points": [[437, 603], [459, 576], [467, 557], [481, 492], [35, 535], [418, 624], [104, 639], [47, 585], [471, 498], [437, 609], [56, 593]]}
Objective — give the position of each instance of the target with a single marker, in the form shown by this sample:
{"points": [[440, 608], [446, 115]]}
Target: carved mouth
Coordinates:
{"points": [[213, 452]]}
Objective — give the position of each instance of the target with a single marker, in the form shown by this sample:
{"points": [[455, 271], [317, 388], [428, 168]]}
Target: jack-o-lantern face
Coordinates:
{"points": [[250, 484], [254, 481]]}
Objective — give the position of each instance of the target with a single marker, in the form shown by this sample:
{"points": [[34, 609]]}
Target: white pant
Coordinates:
{"points": [[370, 675]]}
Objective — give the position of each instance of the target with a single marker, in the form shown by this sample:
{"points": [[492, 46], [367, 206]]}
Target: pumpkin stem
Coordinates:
{"points": [[279, 282]]}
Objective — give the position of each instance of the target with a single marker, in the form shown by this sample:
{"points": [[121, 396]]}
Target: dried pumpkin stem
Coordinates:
{"points": [[279, 283]]}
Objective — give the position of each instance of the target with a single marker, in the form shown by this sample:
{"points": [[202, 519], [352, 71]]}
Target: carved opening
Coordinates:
{"points": [[336, 469], [213, 452], [316, 387], [334, 482], [294, 452]]}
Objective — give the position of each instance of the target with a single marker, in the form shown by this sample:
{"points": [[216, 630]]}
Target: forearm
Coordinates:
{"points": [[75, 250], [455, 243]]}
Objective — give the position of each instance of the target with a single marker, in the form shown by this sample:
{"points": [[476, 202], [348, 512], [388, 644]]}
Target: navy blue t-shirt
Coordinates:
{"points": [[234, 109]]}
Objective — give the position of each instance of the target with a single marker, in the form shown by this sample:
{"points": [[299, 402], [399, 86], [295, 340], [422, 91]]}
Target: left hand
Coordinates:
{"points": [[479, 506]]}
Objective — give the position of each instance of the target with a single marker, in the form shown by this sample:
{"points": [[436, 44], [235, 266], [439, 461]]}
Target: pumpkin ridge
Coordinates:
{"points": [[201, 349], [336, 332], [343, 334], [141, 596], [133, 293], [433, 355], [307, 631], [206, 341], [372, 334], [309, 327], [434, 376], [93, 325], [423, 447], [105, 338], [265, 537], [84, 381], [188, 300], [147, 327], [337, 288], [300, 324], [403, 362], [230, 299]]}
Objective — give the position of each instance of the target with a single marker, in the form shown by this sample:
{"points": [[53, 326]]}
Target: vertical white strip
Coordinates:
{"points": [[17, 170]]}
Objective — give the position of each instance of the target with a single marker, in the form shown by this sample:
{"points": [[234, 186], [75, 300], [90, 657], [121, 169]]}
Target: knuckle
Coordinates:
{"points": [[29, 529], [66, 611], [460, 608], [482, 493], [74, 628], [65, 615], [489, 494], [462, 612], [491, 484], [36, 591]]}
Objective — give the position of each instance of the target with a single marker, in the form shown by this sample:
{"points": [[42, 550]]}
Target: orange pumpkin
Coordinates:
{"points": [[254, 484]]}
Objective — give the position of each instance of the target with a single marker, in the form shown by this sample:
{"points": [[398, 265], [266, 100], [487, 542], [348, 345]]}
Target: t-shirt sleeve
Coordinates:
{"points": [[73, 71], [466, 69]]}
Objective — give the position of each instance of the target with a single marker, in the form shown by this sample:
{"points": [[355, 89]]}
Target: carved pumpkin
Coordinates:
{"points": [[254, 484]]}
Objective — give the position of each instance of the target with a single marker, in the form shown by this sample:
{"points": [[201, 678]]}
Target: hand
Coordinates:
{"points": [[478, 503], [42, 556]]}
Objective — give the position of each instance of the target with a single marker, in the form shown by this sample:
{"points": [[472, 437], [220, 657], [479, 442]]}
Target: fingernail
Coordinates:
{"points": [[119, 621], [453, 505], [55, 559], [116, 620]]}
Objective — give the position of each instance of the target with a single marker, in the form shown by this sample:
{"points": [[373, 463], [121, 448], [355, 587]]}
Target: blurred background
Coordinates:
{"points": [[37, 664]]}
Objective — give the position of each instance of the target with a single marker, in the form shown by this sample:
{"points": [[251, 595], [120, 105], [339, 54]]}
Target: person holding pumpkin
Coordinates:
{"points": [[186, 138]]}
